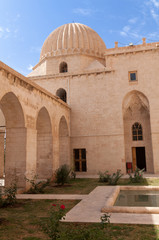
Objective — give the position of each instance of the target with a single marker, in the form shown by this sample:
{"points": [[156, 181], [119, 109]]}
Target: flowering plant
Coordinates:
{"points": [[103, 177], [51, 226], [138, 176]]}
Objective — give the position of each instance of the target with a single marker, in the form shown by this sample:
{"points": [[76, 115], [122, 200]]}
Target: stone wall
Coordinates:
{"points": [[96, 101]]}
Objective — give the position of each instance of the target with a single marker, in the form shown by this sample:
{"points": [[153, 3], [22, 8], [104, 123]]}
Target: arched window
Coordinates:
{"points": [[63, 67], [137, 132], [61, 93]]}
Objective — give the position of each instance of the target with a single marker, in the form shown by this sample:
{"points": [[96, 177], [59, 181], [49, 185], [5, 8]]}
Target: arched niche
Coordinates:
{"points": [[63, 67], [15, 146], [64, 142], [138, 150], [61, 93], [44, 145]]}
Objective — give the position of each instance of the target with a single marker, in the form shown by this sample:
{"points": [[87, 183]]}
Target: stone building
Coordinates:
{"points": [[106, 101]]}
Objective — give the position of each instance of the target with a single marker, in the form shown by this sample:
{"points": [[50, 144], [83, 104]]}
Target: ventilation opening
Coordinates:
{"points": [[61, 93], [63, 67]]}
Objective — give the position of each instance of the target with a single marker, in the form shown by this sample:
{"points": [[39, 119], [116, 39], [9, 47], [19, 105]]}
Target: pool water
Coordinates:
{"points": [[134, 198]]}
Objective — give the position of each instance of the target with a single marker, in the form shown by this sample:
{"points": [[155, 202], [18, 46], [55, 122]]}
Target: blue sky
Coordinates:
{"points": [[25, 24]]}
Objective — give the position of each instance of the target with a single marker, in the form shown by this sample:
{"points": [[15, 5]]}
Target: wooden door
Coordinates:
{"points": [[134, 158]]}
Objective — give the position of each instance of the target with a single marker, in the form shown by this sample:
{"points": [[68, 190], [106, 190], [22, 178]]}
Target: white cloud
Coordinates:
{"points": [[83, 11], [124, 34], [154, 15], [30, 67], [135, 34], [133, 20], [126, 29], [1, 29], [136, 26], [7, 30], [155, 3], [130, 32]]}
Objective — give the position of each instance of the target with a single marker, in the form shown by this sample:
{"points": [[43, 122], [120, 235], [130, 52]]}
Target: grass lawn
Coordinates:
{"points": [[85, 186], [23, 221]]}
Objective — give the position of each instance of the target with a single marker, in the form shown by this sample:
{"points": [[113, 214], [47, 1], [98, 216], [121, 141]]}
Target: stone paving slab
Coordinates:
{"points": [[89, 210], [51, 196]]}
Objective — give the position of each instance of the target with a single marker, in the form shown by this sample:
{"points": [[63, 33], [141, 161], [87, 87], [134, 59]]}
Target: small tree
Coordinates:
{"points": [[62, 175]]}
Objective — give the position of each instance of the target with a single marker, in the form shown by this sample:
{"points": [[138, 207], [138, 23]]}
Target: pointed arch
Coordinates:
{"points": [[44, 145], [15, 154], [12, 110], [137, 130]]}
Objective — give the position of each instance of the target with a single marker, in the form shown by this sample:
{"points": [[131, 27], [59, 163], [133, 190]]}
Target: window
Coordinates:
{"points": [[80, 160], [133, 76], [61, 93], [63, 67], [137, 132]]}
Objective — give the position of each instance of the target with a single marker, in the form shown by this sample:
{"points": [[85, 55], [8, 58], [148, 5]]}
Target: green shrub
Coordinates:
{"points": [[8, 195], [103, 177], [114, 178], [37, 187], [62, 175], [1, 198], [138, 176]]}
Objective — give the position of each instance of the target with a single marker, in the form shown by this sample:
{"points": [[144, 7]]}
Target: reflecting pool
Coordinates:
{"points": [[138, 198]]}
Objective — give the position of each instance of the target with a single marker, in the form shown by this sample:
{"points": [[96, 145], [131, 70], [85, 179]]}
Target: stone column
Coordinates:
{"points": [[2, 132], [15, 158], [31, 155], [56, 151]]}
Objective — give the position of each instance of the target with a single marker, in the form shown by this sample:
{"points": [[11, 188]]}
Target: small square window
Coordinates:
{"points": [[132, 76]]}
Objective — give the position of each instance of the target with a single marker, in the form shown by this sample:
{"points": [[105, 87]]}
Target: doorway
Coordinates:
{"points": [[139, 159]]}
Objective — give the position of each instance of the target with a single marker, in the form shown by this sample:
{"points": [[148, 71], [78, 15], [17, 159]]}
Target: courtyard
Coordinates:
{"points": [[83, 199]]}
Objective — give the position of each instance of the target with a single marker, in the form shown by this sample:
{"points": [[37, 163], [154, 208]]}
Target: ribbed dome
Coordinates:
{"points": [[73, 38]]}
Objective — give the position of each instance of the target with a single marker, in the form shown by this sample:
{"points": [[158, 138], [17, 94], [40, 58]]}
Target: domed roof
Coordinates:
{"points": [[73, 38]]}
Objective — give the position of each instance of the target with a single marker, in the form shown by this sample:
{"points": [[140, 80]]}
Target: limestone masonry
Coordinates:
{"points": [[90, 107]]}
